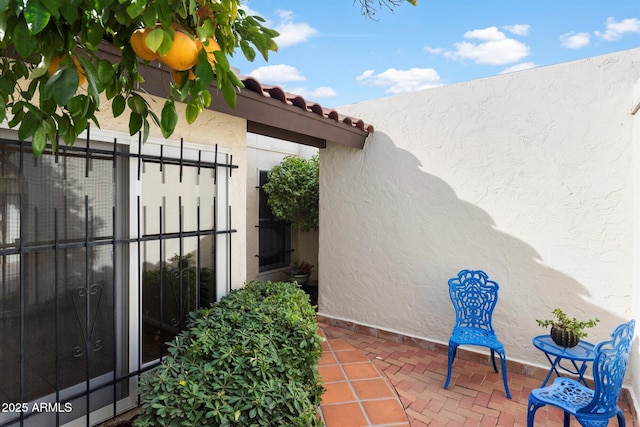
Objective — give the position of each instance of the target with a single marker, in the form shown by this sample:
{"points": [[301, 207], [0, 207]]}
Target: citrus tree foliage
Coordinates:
{"points": [[52, 75], [293, 190]]}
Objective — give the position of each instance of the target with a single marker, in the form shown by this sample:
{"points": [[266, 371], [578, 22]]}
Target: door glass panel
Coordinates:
{"points": [[178, 251], [58, 299]]}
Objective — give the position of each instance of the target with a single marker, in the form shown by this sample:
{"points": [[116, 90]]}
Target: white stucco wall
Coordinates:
{"points": [[528, 176]]}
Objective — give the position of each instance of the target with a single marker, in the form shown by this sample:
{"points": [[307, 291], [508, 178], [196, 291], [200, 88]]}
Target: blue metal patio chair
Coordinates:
{"points": [[474, 297], [591, 407]]}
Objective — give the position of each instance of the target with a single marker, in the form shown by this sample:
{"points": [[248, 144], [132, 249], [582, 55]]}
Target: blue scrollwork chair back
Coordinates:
{"points": [[474, 298], [591, 407]]}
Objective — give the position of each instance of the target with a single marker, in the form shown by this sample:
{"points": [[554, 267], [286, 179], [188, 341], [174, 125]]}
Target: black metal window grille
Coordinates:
{"points": [[68, 287], [274, 236]]}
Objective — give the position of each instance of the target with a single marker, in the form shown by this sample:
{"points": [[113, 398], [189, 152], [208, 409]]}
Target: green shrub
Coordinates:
{"points": [[293, 190], [251, 359]]}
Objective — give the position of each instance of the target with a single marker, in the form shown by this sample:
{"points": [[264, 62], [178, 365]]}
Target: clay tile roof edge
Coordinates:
{"points": [[277, 93]]}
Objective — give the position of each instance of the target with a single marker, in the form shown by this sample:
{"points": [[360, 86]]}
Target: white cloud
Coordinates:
{"points": [[518, 67], [493, 48], [485, 34], [277, 73], [321, 92], [401, 81], [292, 32], [615, 30], [518, 29], [434, 50], [575, 40]]}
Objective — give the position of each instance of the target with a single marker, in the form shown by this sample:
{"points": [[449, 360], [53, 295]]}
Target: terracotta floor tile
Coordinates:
{"points": [[359, 371], [339, 392], [372, 389], [385, 411], [351, 356], [327, 359], [344, 415], [338, 345], [331, 373]]}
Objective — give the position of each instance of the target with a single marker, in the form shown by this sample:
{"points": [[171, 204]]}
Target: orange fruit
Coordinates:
{"points": [[210, 47], [54, 65], [139, 44], [178, 75], [183, 53]]}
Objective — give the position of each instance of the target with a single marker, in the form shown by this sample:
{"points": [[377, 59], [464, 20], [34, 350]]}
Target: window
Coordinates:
{"points": [[105, 248], [274, 236]]}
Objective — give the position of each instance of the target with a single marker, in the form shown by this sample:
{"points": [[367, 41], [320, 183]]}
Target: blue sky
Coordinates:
{"points": [[331, 54]]}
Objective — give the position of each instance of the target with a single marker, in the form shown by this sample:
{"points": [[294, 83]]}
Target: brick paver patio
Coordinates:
{"points": [[474, 398]]}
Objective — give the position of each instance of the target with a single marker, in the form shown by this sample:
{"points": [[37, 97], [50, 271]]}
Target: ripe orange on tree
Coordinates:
{"points": [[210, 47], [139, 44], [183, 53], [54, 65]]}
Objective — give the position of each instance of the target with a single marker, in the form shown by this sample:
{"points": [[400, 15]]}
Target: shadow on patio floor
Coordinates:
{"points": [[474, 398]]}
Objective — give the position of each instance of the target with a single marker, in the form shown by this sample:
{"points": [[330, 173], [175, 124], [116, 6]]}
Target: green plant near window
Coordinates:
{"points": [[293, 190], [250, 359]]}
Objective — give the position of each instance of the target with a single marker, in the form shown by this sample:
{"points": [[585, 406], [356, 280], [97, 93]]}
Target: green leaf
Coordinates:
{"points": [[135, 123], [40, 70], [39, 140], [145, 130], [4, 5], [28, 126], [23, 40], [3, 109], [105, 72], [76, 106], [247, 50], [154, 39], [192, 112], [69, 10], [229, 94], [136, 7], [169, 119], [118, 105], [149, 17], [91, 73], [94, 34], [137, 103], [206, 98], [62, 85], [37, 16]]}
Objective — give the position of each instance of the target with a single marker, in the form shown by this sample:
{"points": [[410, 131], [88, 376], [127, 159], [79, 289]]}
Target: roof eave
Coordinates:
{"points": [[265, 115]]}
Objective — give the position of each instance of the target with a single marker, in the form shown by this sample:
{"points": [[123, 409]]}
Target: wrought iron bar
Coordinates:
{"points": [[72, 151], [87, 148]]}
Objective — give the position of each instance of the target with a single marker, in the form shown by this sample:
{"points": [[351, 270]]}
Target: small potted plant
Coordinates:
{"points": [[300, 271], [566, 332]]}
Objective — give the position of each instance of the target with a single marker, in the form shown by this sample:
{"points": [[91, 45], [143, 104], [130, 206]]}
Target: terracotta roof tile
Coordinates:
{"points": [[276, 92]]}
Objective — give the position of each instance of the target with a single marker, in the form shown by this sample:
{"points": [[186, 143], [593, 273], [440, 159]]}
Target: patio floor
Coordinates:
{"points": [[372, 381]]}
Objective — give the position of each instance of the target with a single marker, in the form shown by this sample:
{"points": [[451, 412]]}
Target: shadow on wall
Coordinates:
{"points": [[393, 234]]}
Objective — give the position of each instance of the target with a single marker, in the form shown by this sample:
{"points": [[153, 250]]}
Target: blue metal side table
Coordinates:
{"points": [[579, 356]]}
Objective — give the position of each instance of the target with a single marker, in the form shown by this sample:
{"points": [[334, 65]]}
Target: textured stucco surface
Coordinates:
{"points": [[528, 176]]}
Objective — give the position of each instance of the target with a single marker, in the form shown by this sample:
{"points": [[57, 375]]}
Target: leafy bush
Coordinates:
{"points": [[249, 360], [293, 190]]}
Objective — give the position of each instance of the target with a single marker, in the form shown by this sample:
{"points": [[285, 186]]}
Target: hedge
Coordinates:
{"points": [[250, 359]]}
